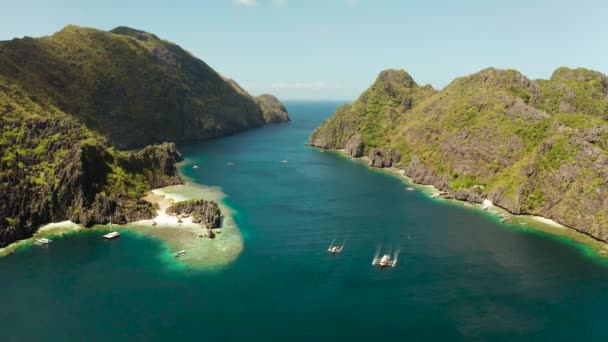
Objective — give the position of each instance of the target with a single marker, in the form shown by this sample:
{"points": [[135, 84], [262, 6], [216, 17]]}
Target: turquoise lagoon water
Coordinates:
{"points": [[461, 274]]}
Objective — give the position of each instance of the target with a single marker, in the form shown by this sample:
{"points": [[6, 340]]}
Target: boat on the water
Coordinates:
{"points": [[386, 259], [195, 167], [334, 248], [409, 188], [43, 241], [111, 235], [179, 253], [284, 161]]}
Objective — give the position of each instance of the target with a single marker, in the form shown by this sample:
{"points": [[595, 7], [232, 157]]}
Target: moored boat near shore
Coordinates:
{"points": [[111, 236]]}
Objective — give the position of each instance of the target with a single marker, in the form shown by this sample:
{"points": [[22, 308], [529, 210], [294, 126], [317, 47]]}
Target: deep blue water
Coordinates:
{"points": [[461, 275]]}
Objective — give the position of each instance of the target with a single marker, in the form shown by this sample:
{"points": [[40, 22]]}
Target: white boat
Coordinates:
{"points": [[230, 163], [386, 260], [111, 235], [334, 248], [284, 161], [179, 253], [195, 167], [409, 188], [43, 241]]}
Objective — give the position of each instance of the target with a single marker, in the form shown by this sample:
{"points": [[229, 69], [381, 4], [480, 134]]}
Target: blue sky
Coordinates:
{"points": [[333, 49]]}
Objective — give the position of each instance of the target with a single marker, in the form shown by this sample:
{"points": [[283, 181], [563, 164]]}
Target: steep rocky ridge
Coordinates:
{"points": [[129, 85], [530, 146]]}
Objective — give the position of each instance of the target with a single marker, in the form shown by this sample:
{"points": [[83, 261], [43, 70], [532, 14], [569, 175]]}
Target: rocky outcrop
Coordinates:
{"points": [[157, 157], [535, 147], [354, 146], [274, 111], [381, 158], [207, 213]]}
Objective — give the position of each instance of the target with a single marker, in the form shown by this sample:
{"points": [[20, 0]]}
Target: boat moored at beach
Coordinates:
{"points": [[111, 235], [43, 241]]}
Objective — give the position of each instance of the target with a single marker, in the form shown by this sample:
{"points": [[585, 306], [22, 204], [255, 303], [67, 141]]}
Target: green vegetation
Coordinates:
{"points": [[69, 101], [537, 147], [126, 81]]}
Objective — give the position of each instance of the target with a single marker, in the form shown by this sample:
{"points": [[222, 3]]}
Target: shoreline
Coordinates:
{"points": [[526, 223], [202, 252]]}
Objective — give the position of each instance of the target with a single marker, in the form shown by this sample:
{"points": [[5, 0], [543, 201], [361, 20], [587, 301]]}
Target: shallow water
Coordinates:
{"points": [[461, 274]]}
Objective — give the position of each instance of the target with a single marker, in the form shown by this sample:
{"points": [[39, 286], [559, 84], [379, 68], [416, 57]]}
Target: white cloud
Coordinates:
{"points": [[245, 3]]}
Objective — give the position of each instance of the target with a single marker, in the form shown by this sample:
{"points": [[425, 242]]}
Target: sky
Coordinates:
{"points": [[334, 49]]}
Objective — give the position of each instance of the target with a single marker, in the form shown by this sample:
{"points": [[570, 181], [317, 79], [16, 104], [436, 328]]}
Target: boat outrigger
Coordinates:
{"points": [[386, 259], [179, 253], [335, 248]]}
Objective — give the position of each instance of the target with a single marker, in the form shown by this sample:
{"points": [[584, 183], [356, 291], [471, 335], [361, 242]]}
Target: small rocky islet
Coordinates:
{"points": [[89, 121], [203, 212]]}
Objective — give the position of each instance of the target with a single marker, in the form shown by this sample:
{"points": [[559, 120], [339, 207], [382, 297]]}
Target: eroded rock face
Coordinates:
{"points": [[74, 179], [354, 147], [380, 158]]}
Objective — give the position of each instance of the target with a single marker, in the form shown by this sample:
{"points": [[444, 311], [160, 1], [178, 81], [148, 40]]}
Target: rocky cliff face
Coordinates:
{"points": [[52, 168], [532, 147]]}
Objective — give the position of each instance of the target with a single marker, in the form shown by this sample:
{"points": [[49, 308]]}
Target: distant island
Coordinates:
{"points": [[72, 102], [530, 146]]}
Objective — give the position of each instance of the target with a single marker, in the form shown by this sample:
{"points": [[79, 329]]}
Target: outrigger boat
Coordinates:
{"points": [[43, 241], [386, 260], [112, 236], [179, 253], [334, 248]]}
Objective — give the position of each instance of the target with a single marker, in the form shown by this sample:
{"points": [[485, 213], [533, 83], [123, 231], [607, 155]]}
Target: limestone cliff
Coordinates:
{"points": [[530, 146]]}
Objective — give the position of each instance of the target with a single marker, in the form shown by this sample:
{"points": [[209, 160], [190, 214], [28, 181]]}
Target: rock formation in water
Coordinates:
{"points": [[69, 101], [530, 146], [207, 213]]}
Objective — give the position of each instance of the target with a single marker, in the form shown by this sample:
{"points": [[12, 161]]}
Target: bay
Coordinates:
{"points": [[461, 274]]}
